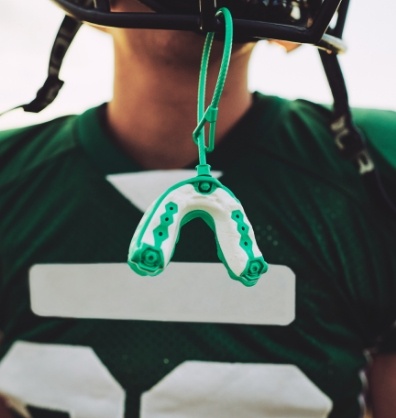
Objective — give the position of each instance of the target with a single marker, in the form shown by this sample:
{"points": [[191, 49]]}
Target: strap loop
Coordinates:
{"points": [[210, 114]]}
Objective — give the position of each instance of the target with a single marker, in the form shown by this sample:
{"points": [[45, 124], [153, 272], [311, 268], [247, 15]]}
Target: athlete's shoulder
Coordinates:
{"points": [[302, 129], [376, 120], [26, 148], [377, 125], [297, 132], [379, 129], [290, 119]]}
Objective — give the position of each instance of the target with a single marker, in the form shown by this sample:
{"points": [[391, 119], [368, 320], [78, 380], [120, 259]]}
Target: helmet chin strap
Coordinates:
{"points": [[348, 138], [52, 85]]}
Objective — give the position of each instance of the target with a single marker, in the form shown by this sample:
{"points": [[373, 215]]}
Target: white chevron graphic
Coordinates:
{"points": [[143, 187]]}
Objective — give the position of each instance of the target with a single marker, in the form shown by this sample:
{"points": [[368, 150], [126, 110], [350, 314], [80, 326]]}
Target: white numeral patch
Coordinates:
{"points": [[222, 390], [63, 378], [73, 379]]}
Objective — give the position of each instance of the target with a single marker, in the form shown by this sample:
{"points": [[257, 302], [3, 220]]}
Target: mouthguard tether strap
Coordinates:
{"points": [[203, 196]]}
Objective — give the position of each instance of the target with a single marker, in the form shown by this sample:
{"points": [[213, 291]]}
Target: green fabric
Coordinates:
{"points": [[308, 207]]}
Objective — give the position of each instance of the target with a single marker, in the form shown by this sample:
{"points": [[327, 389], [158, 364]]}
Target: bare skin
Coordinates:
{"points": [[382, 385], [153, 110]]}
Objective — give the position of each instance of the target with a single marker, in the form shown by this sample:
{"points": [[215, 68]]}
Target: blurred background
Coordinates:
{"points": [[28, 28]]}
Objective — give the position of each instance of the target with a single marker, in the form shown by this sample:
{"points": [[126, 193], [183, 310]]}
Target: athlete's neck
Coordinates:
{"points": [[153, 111]]}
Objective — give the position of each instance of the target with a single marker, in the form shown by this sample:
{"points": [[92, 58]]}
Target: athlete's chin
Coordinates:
{"points": [[180, 49]]}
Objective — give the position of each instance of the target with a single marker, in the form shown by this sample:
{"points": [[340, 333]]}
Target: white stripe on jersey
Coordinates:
{"points": [[188, 292]]}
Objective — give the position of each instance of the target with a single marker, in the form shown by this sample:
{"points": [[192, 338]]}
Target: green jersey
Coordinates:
{"points": [[84, 336]]}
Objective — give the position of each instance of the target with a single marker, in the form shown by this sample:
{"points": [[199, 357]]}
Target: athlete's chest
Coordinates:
{"points": [[167, 345]]}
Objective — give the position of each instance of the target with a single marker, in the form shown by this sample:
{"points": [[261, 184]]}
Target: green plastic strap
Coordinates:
{"points": [[210, 114]]}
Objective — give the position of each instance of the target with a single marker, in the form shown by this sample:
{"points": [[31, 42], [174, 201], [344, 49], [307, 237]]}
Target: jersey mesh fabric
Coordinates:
{"points": [[307, 206]]}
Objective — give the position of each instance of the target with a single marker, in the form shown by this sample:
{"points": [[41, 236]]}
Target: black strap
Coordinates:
{"points": [[52, 85], [348, 139]]}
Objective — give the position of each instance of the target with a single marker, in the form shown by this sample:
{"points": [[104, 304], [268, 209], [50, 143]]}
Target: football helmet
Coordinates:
{"points": [[301, 21]]}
